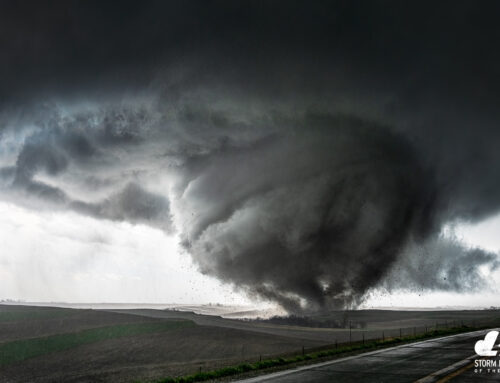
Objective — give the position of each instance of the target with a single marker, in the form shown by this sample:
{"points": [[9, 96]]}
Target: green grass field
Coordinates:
{"points": [[20, 350]]}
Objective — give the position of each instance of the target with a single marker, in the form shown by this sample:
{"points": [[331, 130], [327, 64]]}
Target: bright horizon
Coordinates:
{"points": [[100, 261]]}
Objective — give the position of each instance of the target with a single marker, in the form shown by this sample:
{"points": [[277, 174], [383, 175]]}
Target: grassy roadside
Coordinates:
{"points": [[341, 350], [19, 350]]}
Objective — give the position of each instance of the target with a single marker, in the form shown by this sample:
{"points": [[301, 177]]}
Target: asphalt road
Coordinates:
{"points": [[447, 359]]}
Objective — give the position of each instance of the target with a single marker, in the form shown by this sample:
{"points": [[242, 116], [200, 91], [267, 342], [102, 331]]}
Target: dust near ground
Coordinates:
{"points": [[370, 323]]}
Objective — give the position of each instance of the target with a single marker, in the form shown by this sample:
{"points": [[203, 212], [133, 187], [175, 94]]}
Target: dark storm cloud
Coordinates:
{"points": [[132, 204], [311, 214], [268, 47], [309, 147]]}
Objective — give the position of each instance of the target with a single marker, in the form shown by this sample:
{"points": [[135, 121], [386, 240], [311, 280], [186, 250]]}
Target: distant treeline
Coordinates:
{"points": [[296, 320]]}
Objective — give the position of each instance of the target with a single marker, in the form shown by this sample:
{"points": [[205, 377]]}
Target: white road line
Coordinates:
{"points": [[262, 378]]}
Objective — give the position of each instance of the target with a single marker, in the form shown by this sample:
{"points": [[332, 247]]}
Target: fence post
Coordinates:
{"points": [[260, 358], [383, 336], [336, 344], [350, 333], [414, 331], [400, 334]]}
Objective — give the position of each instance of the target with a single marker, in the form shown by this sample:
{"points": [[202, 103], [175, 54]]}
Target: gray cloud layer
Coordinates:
{"points": [[302, 160], [61, 145]]}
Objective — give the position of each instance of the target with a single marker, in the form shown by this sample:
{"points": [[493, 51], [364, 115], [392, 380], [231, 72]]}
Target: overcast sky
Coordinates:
{"points": [[314, 155]]}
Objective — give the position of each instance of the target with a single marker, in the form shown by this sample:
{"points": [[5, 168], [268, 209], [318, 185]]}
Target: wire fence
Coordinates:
{"points": [[352, 336]]}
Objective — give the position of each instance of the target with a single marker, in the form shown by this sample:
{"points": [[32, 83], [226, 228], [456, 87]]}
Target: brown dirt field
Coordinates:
{"points": [[76, 320], [152, 356]]}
